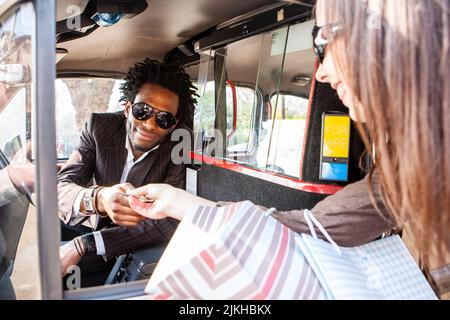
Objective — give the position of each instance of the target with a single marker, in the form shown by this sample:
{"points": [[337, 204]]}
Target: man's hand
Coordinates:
{"points": [[115, 204], [168, 201], [68, 256]]}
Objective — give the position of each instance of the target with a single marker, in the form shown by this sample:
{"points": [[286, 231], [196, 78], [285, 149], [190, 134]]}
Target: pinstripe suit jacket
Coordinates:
{"points": [[101, 155]]}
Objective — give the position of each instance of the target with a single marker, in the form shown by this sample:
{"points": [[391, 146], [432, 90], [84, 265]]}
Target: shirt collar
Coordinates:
{"points": [[130, 157]]}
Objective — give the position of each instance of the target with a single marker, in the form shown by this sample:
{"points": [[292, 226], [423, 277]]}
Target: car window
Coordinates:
{"points": [[19, 249], [287, 124], [13, 124], [270, 129], [239, 140], [76, 100]]}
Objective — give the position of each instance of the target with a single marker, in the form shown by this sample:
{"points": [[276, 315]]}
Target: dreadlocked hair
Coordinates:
{"points": [[167, 76]]}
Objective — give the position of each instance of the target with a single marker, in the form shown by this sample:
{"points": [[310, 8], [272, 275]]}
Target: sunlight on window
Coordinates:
{"points": [[76, 100]]}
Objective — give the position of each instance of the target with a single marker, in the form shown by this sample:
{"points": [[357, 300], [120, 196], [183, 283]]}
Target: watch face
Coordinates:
{"points": [[88, 205]]}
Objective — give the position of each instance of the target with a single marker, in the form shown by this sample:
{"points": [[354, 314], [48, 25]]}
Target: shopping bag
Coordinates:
{"points": [[234, 252], [381, 270]]}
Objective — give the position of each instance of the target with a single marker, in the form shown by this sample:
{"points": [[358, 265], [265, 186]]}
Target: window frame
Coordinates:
{"points": [[256, 120], [44, 73]]}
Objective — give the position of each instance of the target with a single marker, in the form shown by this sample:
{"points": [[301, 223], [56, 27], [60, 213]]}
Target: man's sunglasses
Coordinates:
{"points": [[142, 111], [322, 36]]}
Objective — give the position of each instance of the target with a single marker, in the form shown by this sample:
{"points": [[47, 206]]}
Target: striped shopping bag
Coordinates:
{"points": [[234, 252], [380, 270]]}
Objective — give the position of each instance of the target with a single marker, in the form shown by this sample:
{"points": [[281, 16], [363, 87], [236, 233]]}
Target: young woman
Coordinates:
{"points": [[389, 62]]}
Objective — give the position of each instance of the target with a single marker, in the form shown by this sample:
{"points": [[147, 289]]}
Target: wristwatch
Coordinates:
{"points": [[89, 200]]}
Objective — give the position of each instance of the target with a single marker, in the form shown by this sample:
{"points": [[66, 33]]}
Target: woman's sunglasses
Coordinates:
{"points": [[322, 36], [142, 111]]}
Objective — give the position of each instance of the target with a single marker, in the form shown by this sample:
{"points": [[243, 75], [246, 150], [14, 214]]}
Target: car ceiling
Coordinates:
{"points": [[164, 25]]}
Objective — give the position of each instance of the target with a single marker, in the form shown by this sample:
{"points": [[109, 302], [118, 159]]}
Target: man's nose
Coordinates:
{"points": [[150, 124]]}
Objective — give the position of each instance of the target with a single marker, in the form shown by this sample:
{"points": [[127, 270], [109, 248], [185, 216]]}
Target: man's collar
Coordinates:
{"points": [[130, 156]]}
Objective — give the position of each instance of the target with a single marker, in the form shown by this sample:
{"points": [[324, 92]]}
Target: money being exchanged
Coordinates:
{"points": [[144, 199]]}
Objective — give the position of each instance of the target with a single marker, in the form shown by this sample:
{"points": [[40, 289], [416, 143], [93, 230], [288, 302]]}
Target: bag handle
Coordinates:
{"points": [[311, 221]]}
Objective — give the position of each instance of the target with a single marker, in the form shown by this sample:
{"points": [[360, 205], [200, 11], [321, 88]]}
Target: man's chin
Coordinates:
{"points": [[145, 147], [141, 148]]}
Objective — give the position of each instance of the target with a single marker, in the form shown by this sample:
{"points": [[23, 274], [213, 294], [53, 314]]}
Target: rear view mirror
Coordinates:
{"points": [[15, 74]]}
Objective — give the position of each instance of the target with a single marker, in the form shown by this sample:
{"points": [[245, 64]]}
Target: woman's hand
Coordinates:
{"points": [[168, 201]]}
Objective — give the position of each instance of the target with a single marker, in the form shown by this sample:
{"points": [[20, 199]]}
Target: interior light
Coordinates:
{"points": [[107, 19]]}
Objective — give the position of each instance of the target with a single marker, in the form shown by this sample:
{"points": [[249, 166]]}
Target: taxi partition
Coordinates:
{"points": [[259, 124]]}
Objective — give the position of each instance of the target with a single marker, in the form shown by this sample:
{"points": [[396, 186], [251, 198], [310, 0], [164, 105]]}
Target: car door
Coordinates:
{"points": [[19, 276]]}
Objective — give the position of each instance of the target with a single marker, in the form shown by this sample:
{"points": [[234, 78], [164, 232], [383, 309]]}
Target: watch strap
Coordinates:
{"points": [[89, 245]]}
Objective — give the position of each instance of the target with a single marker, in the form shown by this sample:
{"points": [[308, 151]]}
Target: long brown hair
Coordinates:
{"points": [[395, 55]]}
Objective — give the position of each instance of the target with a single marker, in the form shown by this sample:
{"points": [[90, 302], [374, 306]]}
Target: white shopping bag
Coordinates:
{"points": [[380, 270], [235, 252]]}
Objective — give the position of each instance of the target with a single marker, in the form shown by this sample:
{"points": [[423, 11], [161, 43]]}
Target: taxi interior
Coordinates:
{"points": [[254, 64]]}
